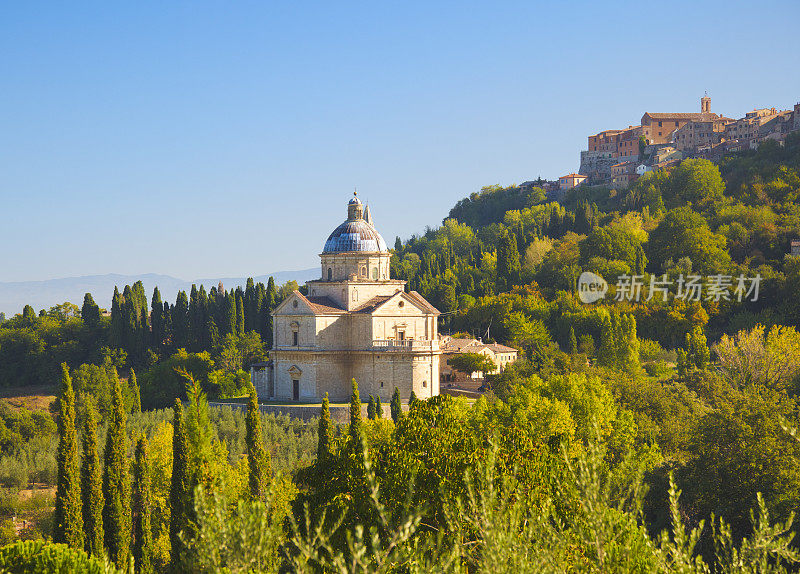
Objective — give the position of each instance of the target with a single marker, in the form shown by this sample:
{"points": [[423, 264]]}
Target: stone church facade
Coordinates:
{"points": [[356, 322]]}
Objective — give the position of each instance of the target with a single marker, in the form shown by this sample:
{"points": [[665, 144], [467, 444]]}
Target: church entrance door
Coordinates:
{"points": [[295, 390]]}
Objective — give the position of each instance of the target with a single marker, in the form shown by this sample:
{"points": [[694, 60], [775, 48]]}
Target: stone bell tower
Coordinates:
{"points": [[705, 104]]}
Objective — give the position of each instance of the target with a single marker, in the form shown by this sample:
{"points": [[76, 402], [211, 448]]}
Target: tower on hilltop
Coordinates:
{"points": [[705, 104]]}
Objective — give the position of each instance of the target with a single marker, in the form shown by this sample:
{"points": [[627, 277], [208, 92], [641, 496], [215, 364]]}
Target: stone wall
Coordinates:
{"points": [[598, 169], [339, 414], [377, 373]]}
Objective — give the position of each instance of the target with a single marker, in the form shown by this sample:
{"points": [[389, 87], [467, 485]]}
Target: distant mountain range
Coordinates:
{"points": [[44, 294]]}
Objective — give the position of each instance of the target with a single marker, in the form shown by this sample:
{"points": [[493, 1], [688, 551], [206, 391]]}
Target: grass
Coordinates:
{"points": [[38, 398]]}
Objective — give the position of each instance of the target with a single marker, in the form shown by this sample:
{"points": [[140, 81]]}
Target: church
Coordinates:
{"points": [[355, 322]]}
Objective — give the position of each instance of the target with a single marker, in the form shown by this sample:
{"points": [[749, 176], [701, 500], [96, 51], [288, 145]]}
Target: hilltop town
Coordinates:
{"points": [[617, 157]]}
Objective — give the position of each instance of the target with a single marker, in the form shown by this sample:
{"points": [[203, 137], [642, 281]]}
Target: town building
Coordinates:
{"points": [[628, 144], [623, 174], [354, 322], [693, 136], [670, 137], [754, 127], [501, 355], [569, 181], [657, 128]]}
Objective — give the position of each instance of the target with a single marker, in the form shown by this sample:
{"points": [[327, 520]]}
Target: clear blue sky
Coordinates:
{"points": [[203, 139]]}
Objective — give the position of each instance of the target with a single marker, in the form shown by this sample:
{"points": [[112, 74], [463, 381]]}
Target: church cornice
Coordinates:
{"points": [[357, 282]]}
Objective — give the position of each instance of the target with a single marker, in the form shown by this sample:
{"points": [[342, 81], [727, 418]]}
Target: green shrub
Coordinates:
{"points": [[39, 557], [652, 351]]}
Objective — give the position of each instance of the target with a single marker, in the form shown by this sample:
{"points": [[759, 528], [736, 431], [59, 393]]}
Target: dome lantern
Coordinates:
{"points": [[355, 210], [356, 234]]}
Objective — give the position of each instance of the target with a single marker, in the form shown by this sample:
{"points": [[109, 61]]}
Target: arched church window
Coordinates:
{"points": [[375, 273], [424, 384], [330, 273], [364, 271]]}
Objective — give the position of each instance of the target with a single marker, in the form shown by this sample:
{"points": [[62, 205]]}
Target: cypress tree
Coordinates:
{"points": [[68, 523], [167, 317], [117, 321], [211, 335], [256, 455], [371, 408], [396, 407], [92, 486], [683, 363], [130, 325], [140, 300], [356, 425], [28, 312], [325, 435], [157, 322], [116, 485], [412, 399], [230, 314], [140, 505], [619, 338], [378, 407], [136, 407], [180, 321], [632, 345], [195, 319], [508, 263], [90, 312], [573, 342], [697, 348], [259, 321], [239, 313], [606, 355], [199, 436], [641, 261], [249, 305], [270, 303], [180, 485]]}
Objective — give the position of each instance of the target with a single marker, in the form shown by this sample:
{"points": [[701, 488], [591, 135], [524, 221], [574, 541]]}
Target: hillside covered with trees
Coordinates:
{"points": [[636, 434]]}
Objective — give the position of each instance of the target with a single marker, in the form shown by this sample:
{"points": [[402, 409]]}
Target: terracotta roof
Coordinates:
{"points": [[572, 175], [498, 348], [323, 305], [607, 133], [460, 344], [698, 117], [474, 346], [372, 304]]}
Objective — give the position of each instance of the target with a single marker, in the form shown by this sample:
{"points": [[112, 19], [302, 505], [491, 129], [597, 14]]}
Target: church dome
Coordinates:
{"points": [[355, 234]]}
